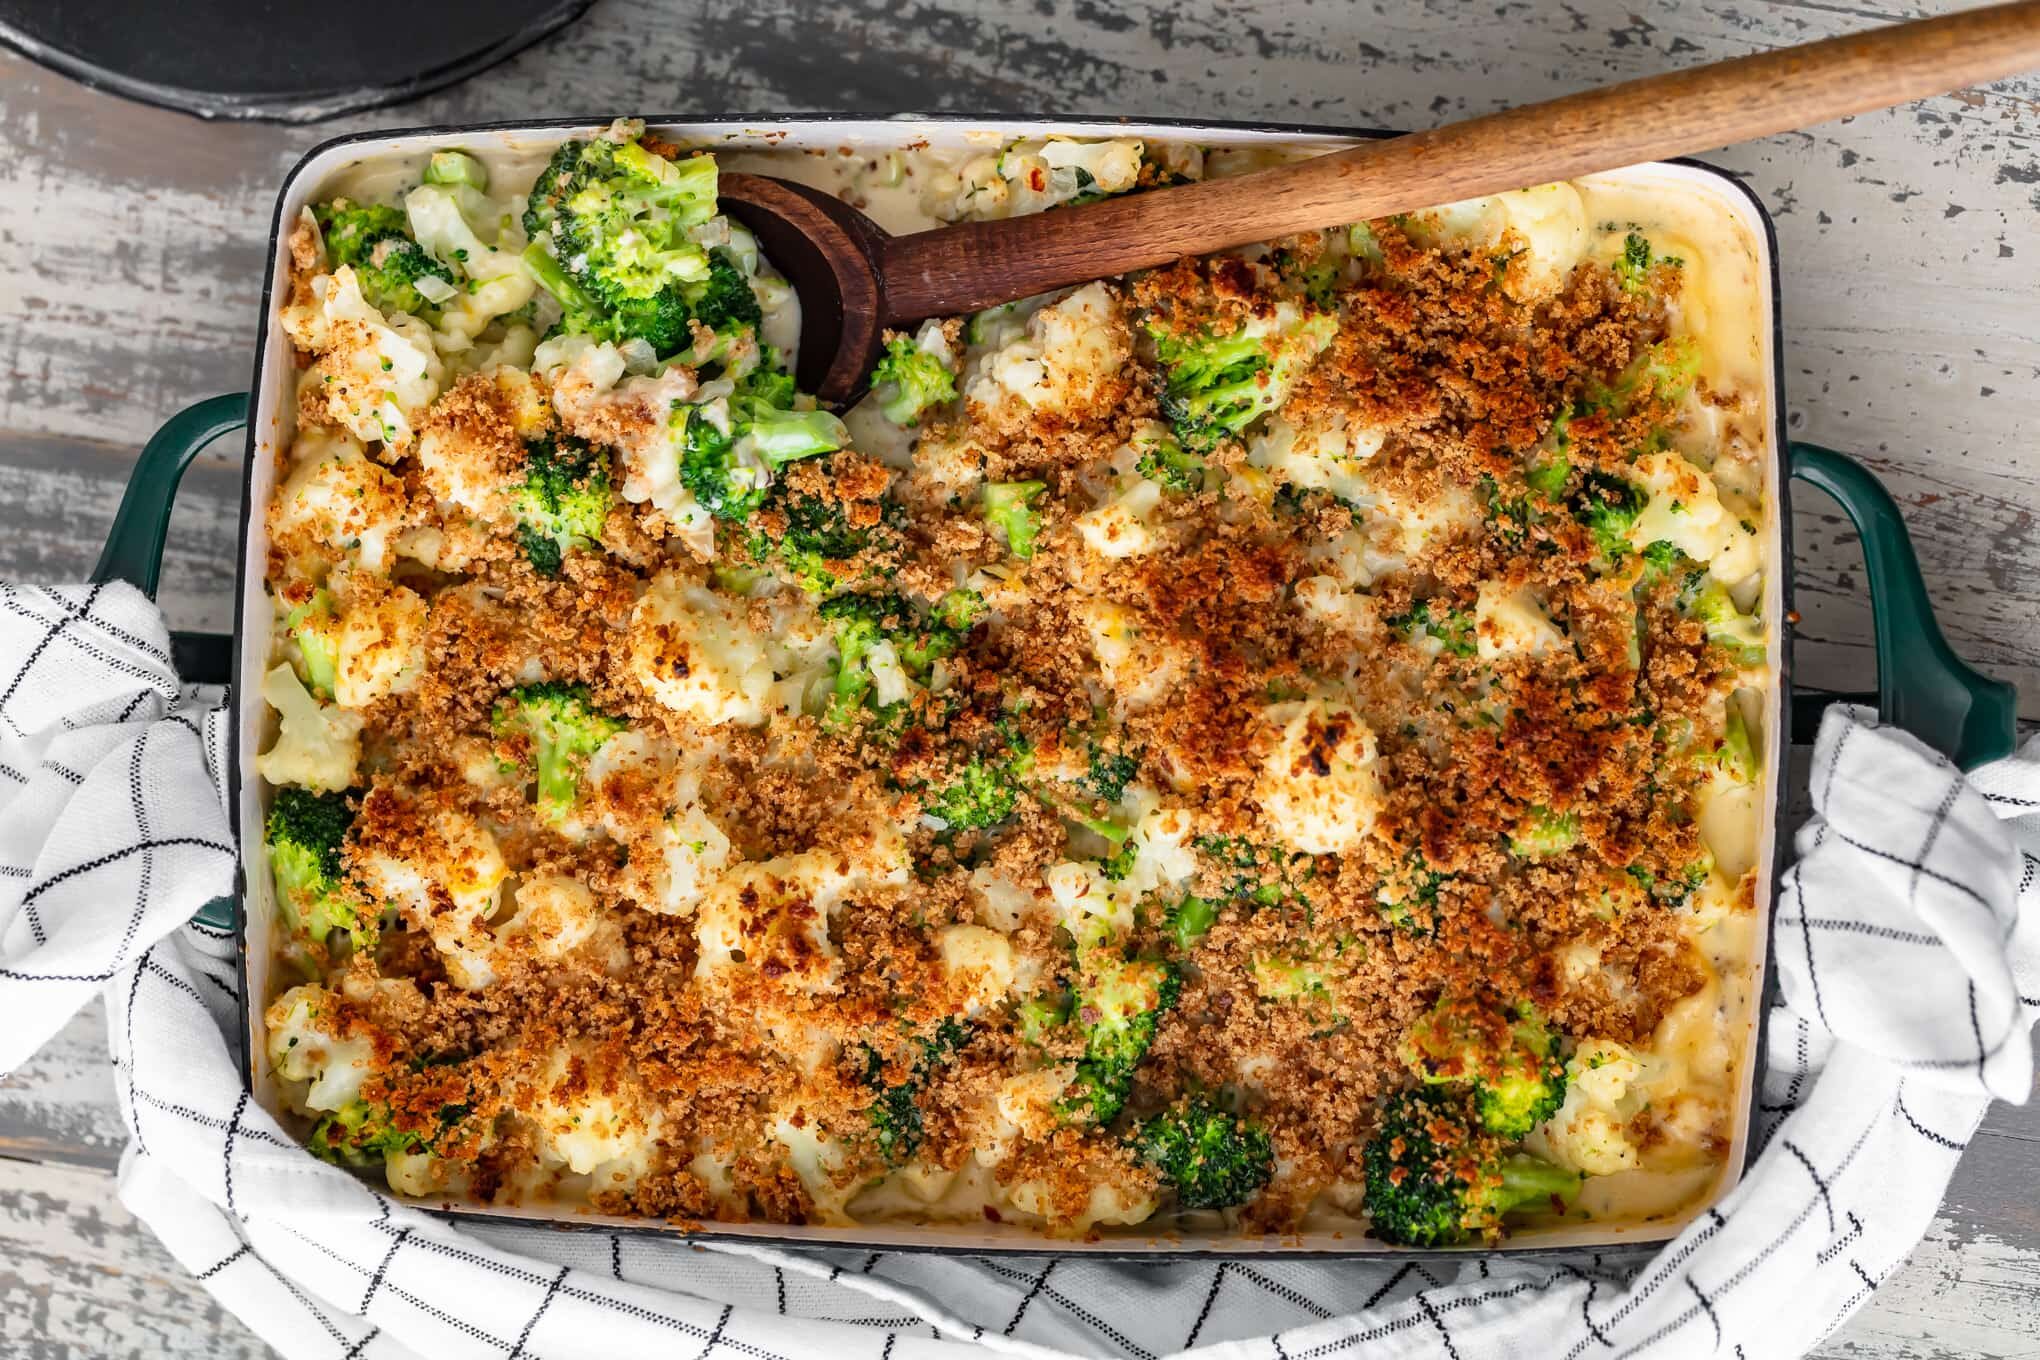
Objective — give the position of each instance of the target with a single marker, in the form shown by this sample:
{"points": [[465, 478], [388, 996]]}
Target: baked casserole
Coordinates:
{"points": [[1270, 742]]}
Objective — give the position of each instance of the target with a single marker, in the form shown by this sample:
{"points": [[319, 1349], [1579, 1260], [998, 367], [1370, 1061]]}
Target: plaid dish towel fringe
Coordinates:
{"points": [[1905, 942]]}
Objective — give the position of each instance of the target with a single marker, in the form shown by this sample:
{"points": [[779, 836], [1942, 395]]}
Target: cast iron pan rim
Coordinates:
{"points": [[315, 106]]}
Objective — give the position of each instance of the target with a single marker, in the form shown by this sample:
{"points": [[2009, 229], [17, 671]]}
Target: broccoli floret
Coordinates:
{"points": [[1507, 1057], [609, 226], [304, 834], [817, 533], [725, 301], [1409, 897], [1551, 465], [360, 1135], [984, 793], [1167, 463], [859, 624], [564, 728], [1214, 386], [1259, 875], [1008, 507], [1119, 1004], [1544, 832], [315, 628], [1736, 756], [1661, 560], [1431, 621], [1664, 370], [895, 1116], [1740, 635], [895, 1113], [947, 629], [1110, 772], [1188, 921], [1673, 889], [1608, 507], [1213, 1158], [709, 468], [375, 240], [911, 377], [729, 469], [959, 609], [1038, 1017], [563, 501], [1435, 1178], [1632, 268], [768, 384]]}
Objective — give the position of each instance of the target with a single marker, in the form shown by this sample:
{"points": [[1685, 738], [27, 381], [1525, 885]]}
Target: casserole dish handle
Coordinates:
{"points": [[134, 546], [1922, 686]]}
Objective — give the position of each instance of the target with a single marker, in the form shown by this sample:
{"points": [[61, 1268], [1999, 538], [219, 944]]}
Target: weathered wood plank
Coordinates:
{"points": [[130, 249], [80, 1279]]}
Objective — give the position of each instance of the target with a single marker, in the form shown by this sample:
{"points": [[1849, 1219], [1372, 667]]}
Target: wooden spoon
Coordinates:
{"points": [[855, 279]]}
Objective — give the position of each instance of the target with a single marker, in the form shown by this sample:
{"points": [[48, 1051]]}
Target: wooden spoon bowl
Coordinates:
{"points": [[855, 279]]}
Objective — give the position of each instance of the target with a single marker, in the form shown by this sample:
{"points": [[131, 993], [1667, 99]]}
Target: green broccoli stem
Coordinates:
{"points": [[781, 437], [554, 278], [1191, 920], [1527, 1180], [456, 167]]}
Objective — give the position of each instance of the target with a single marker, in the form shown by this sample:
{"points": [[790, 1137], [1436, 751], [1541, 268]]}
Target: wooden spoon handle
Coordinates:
{"points": [[979, 264]]}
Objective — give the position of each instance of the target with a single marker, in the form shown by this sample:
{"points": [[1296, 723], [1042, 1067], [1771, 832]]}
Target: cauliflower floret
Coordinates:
{"points": [[557, 916], [1118, 1195], [316, 745], [1090, 905], [305, 1045], [382, 642], [773, 916], [592, 1117], [1422, 522], [818, 1160], [629, 784], [1318, 785], [374, 374], [1544, 228], [1162, 857], [1332, 457], [337, 501], [1512, 622], [671, 870], [635, 417], [471, 447], [694, 652], [1036, 175], [1685, 510], [1603, 1093], [1333, 603], [1001, 902], [1124, 526], [1023, 1107], [1138, 669], [447, 882], [496, 280], [979, 964], [1070, 355]]}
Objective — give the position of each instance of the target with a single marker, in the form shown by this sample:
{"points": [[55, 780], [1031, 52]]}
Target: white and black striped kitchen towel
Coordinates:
{"points": [[1905, 940]]}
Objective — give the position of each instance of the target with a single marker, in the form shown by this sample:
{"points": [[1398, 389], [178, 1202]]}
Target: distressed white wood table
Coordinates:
{"points": [[130, 264]]}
